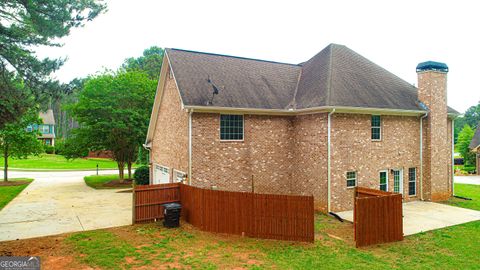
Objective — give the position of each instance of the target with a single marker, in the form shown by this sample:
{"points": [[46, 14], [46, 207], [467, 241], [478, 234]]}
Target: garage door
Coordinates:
{"points": [[161, 175]]}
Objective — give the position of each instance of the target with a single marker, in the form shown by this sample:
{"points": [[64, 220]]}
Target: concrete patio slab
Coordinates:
{"points": [[420, 216], [60, 202], [470, 179]]}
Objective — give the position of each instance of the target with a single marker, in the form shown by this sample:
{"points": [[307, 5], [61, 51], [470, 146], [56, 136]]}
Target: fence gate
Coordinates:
{"points": [[148, 200], [378, 217]]}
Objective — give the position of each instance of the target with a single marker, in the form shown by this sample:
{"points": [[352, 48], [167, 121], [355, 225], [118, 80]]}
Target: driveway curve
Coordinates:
{"points": [[60, 202]]}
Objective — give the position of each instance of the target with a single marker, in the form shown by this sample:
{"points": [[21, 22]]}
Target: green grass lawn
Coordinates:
{"points": [[56, 162], [151, 245], [468, 191], [8, 193], [99, 181]]}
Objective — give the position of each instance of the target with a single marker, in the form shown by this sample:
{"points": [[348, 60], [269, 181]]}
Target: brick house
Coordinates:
{"points": [[475, 146], [316, 128]]}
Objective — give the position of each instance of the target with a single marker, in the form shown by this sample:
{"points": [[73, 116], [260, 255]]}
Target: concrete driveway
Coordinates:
{"points": [[60, 202], [421, 216], [470, 179]]}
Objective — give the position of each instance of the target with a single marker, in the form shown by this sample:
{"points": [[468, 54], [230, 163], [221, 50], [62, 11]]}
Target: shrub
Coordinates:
{"points": [[469, 169], [142, 175], [49, 149], [59, 147]]}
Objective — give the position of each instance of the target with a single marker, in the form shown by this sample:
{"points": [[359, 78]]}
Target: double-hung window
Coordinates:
{"points": [[384, 180], [231, 127], [412, 181], [351, 179], [376, 128]]}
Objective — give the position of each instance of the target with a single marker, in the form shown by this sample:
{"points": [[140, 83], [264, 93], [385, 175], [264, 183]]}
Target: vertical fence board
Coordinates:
{"points": [[377, 217], [268, 216]]}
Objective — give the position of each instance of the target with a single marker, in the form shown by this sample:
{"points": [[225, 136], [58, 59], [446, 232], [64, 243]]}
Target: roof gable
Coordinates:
{"points": [[475, 142], [47, 117], [338, 76]]}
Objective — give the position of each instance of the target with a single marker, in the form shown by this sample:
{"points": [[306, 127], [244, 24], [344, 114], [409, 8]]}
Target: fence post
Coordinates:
{"points": [[133, 202]]}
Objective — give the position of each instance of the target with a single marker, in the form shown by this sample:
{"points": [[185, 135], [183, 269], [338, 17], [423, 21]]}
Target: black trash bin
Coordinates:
{"points": [[171, 215]]}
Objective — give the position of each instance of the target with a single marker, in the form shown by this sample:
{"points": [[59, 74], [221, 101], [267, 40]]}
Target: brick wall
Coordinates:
{"points": [[353, 150], [265, 154], [432, 91], [170, 140], [310, 157]]}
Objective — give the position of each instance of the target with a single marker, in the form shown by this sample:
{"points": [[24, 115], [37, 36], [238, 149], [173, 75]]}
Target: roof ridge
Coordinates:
{"points": [[329, 78], [237, 57], [294, 101]]}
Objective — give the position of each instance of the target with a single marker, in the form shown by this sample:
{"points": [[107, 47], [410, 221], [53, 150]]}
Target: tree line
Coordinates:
{"points": [[464, 129], [25, 80]]}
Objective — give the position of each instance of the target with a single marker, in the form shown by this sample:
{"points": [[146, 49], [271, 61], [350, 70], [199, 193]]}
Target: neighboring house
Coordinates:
{"points": [[47, 129], [475, 146], [316, 128]]}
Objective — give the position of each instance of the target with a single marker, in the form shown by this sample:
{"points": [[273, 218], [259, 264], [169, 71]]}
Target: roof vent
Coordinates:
{"points": [[431, 65]]}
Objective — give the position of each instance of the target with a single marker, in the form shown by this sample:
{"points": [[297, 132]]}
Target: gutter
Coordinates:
{"points": [[190, 112], [320, 109], [421, 155], [329, 191], [453, 156]]}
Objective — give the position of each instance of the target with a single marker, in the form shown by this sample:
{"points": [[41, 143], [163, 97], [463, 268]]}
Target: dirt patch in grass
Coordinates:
{"points": [[13, 183], [117, 184], [53, 252]]}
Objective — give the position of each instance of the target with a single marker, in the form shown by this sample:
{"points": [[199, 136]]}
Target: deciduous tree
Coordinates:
{"points": [[17, 142], [113, 111], [464, 139]]}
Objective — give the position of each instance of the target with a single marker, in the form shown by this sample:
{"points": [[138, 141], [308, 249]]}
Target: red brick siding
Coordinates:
{"points": [[264, 154], [310, 157], [432, 90], [170, 140], [353, 150]]}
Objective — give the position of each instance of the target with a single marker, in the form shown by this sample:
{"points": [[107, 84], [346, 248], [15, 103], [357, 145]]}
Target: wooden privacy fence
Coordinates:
{"points": [[282, 217], [148, 200], [377, 216]]}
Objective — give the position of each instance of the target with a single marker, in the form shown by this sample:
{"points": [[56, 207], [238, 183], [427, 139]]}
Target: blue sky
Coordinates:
{"points": [[397, 35]]}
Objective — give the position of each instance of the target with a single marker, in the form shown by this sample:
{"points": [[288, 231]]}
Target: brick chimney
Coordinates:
{"points": [[432, 92]]}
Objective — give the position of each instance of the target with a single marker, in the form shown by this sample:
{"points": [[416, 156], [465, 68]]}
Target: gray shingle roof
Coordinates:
{"points": [[476, 139], [242, 82], [47, 117], [336, 76]]}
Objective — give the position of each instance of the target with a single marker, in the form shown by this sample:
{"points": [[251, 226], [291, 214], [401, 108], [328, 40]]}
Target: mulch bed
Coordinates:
{"points": [[13, 183], [116, 183]]}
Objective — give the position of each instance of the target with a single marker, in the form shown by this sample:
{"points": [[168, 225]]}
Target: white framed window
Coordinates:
{"points": [[384, 180], [412, 181], [231, 127], [178, 176], [29, 128], [376, 128], [351, 179], [44, 129]]}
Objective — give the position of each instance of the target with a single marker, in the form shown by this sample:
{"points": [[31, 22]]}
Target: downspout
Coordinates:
{"points": [[190, 147], [329, 192], [453, 156], [421, 155]]}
